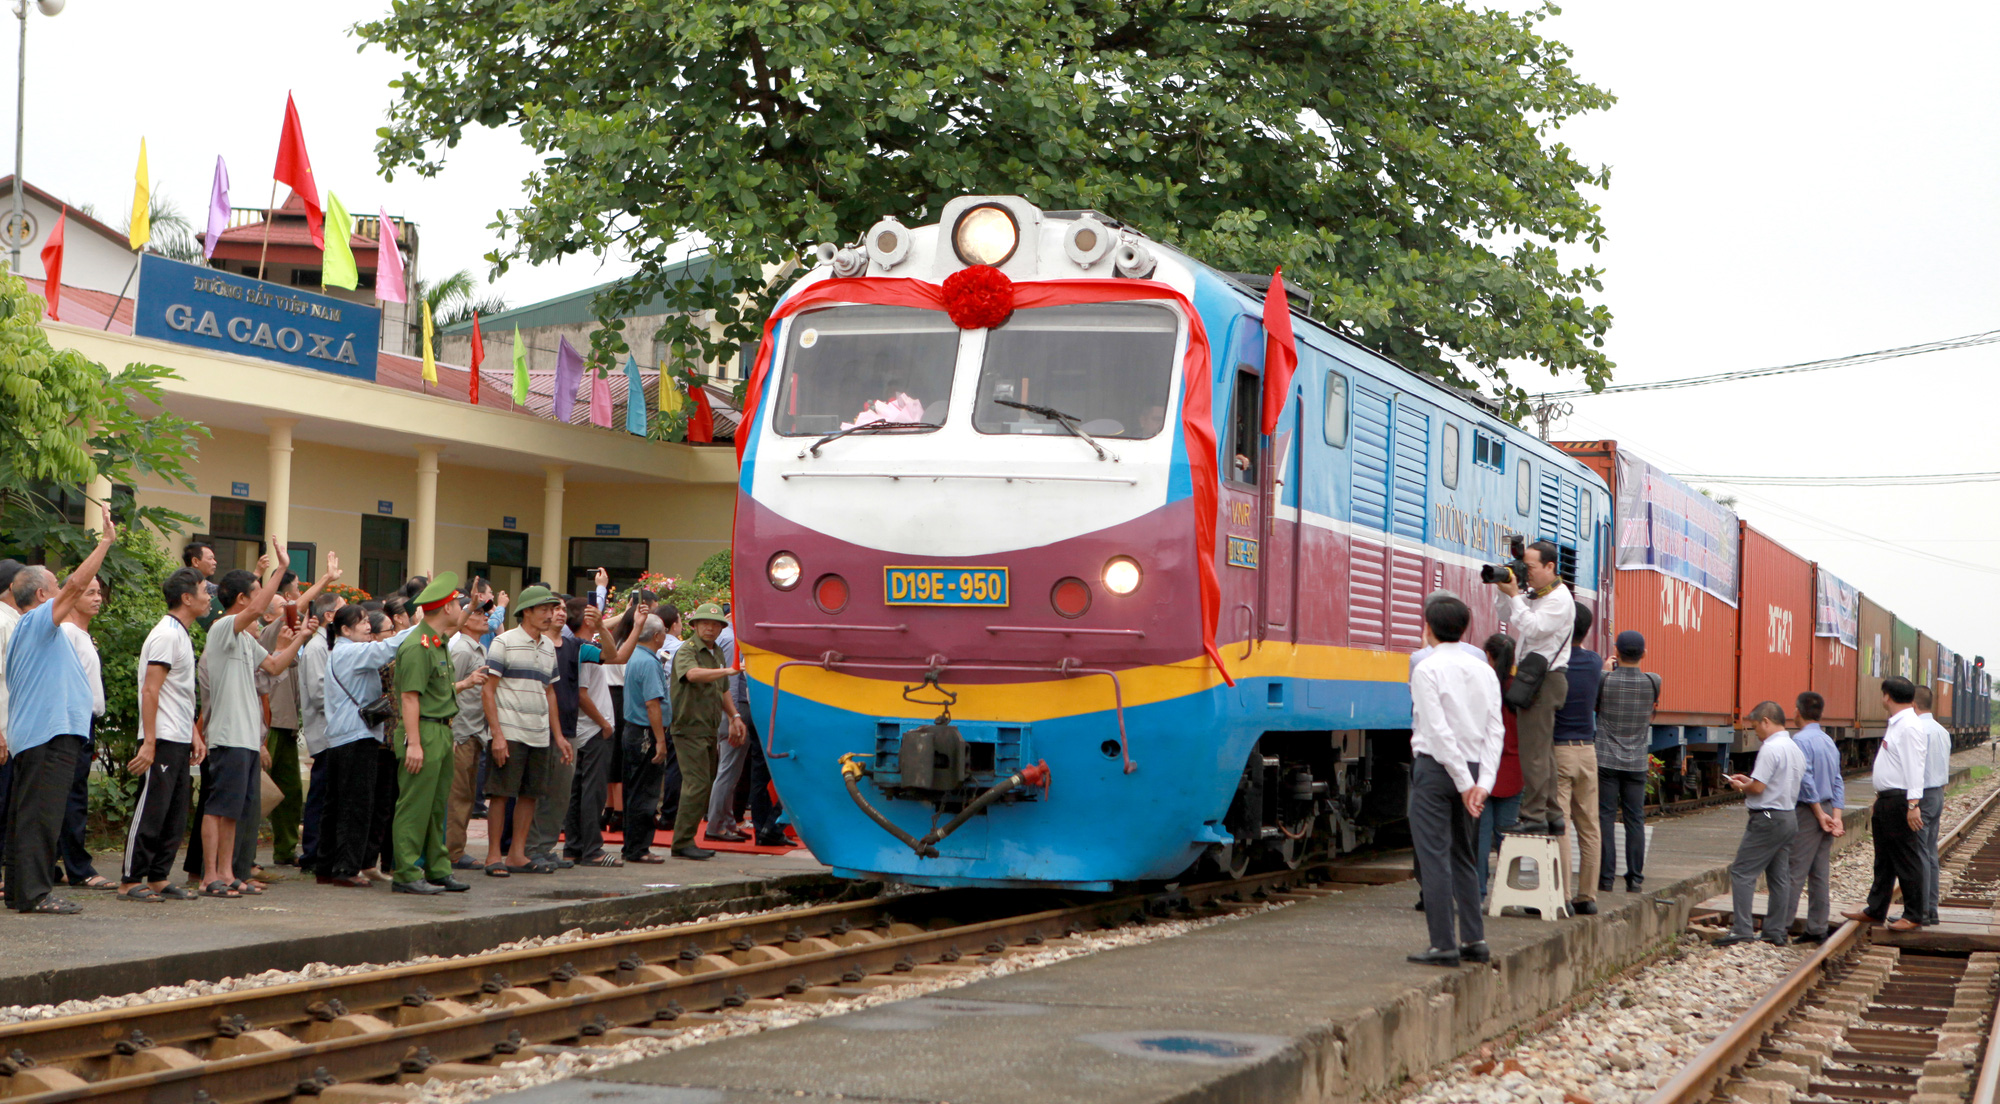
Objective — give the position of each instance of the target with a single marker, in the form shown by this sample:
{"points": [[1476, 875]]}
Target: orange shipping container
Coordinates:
{"points": [[1947, 682], [1690, 632], [1834, 662], [1775, 611]]}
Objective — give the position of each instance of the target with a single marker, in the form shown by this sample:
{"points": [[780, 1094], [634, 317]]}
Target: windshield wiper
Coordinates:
{"points": [[867, 427], [1067, 421]]}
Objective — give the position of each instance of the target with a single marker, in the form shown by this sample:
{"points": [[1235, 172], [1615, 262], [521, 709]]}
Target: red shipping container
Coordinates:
{"points": [[1775, 609], [1834, 664], [1690, 633]]}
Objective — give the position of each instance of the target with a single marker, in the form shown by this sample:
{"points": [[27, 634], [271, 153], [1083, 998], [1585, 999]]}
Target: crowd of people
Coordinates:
{"points": [[420, 712]]}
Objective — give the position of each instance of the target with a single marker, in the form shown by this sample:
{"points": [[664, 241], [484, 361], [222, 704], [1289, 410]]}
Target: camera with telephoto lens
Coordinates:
{"points": [[1517, 547]]}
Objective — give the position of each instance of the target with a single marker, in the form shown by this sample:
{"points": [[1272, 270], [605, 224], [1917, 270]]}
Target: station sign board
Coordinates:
{"points": [[211, 309]]}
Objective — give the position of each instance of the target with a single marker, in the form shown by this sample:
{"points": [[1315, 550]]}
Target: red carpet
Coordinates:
{"points": [[664, 838]]}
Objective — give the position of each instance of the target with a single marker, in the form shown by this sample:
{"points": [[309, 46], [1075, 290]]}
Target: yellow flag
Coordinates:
{"points": [[430, 358], [670, 392], [142, 204]]}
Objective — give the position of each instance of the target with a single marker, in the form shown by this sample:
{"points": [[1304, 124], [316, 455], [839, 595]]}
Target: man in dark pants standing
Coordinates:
{"points": [[1895, 819], [1625, 701], [45, 729], [1771, 791], [698, 686], [764, 808], [1821, 798], [1455, 740], [646, 745]]}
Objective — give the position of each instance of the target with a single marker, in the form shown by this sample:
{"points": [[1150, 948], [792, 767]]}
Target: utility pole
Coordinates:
{"points": [[16, 226], [1547, 412]]}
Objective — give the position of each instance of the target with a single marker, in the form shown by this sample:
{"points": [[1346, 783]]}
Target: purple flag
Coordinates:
{"points": [[218, 208], [569, 373]]}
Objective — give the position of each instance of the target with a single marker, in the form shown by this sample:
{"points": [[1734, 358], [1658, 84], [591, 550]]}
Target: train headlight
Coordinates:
{"points": [[1088, 241], [888, 243], [1121, 575], [986, 235], [784, 571]]}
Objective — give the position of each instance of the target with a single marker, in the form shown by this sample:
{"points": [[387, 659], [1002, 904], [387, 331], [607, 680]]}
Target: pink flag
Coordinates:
{"points": [[218, 208], [389, 287], [569, 373], [600, 400]]}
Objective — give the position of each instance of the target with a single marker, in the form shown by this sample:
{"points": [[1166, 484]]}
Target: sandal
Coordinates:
{"points": [[96, 881], [142, 893], [248, 889], [53, 905], [603, 860], [219, 889], [174, 893], [532, 866], [497, 870], [649, 859]]}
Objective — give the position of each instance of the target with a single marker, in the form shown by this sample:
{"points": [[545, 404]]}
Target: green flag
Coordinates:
{"points": [[520, 367], [337, 265]]}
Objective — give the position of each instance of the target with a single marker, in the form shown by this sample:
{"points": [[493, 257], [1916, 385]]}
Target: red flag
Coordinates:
{"points": [[52, 254], [701, 424], [478, 356], [1281, 350], [295, 168]]}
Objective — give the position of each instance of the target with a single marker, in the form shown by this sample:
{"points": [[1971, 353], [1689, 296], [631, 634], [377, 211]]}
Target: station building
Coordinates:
{"points": [[328, 437]]}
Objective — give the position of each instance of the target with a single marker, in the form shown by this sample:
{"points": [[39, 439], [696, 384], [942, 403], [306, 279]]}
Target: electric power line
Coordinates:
{"points": [[1931, 479], [1966, 342]]}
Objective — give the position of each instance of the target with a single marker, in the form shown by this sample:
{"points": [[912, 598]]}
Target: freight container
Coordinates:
{"points": [[1676, 582], [1775, 624], [1903, 650], [1946, 687], [1835, 657], [1925, 666], [1877, 645]]}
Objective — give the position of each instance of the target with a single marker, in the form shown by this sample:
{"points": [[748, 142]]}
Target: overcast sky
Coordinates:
{"points": [[1788, 183]]}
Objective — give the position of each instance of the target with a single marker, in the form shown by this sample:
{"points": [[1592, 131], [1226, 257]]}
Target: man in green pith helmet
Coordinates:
{"points": [[699, 691], [428, 697]]}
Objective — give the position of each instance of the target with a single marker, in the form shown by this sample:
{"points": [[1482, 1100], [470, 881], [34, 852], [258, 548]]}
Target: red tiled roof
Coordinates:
{"points": [[82, 218], [85, 307]]}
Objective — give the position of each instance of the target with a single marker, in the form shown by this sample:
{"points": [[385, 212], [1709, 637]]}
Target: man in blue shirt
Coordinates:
{"points": [[646, 743], [1822, 795], [46, 728], [1576, 760]]}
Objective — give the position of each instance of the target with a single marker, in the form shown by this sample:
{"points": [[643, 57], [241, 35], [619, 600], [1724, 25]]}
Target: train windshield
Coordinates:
{"points": [[1106, 365], [848, 365]]}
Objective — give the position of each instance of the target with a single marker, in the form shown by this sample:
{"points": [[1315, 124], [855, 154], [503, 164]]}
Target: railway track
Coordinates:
{"points": [[1857, 1022], [364, 1038]]}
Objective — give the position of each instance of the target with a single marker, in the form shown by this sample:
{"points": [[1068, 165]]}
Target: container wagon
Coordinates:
{"points": [[1836, 657]]}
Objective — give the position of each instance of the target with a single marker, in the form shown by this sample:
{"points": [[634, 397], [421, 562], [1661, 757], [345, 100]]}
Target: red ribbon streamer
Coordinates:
{"points": [[1197, 420]]}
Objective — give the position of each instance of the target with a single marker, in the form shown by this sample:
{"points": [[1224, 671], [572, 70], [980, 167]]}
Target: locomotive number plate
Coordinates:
{"points": [[945, 586]]}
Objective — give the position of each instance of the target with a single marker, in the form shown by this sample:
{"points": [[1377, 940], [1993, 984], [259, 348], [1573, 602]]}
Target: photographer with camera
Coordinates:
{"points": [[1538, 611]]}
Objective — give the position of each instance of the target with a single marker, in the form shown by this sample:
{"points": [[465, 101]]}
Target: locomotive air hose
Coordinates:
{"points": [[851, 771], [1037, 775]]}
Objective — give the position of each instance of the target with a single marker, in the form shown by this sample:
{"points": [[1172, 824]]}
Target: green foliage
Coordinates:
{"points": [[1396, 156], [454, 298]]}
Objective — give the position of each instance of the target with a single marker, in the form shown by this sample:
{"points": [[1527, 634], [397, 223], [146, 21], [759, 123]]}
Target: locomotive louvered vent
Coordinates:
{"points": [[1562, 522]]}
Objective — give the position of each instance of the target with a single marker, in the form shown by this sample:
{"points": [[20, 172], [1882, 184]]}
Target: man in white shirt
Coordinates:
{"points": [[168, 744], [1896, 820], [1542, 619], [1937, 772], [1771, 795], [1455, 740], [10, 614]]}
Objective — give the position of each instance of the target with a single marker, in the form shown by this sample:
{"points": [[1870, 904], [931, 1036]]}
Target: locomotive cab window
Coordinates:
{"points": [[1524, 487], [1489, 451], [1245, 429], [1448, 455], [848, 365], [1108, 368], [1336, 410]]}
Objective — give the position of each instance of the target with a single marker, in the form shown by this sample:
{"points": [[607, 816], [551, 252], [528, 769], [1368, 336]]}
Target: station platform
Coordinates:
{"points": [[1313, 1002], [116, 947]]}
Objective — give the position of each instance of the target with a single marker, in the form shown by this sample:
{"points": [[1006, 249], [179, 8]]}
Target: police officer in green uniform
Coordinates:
{"points": [[698, 687], [428, 697]]}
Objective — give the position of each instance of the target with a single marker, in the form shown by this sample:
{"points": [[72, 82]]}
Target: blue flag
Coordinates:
{"points": [[635, 398]]}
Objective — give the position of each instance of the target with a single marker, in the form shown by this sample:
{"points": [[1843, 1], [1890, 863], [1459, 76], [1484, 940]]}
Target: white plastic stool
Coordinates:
{"points": [[1549, 894]]}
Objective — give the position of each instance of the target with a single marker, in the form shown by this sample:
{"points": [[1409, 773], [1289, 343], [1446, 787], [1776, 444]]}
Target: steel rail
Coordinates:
{"points": [[1987, 1089], [1697, 1081], [305, 1068]]}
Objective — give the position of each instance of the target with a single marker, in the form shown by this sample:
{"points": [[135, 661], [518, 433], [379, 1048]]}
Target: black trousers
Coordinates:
{"points": [[42, 777], [583, 826], [1442, 832], [160, 816], [74, 851], [315, 809], [643, 781], [1897, 860], [764, 809], [346, 841], [616, 772], [1621, 795], [381, 853]]}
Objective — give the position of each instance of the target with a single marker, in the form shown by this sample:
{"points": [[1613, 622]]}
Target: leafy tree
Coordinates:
{"points": [[454, 298], [1396, 156], [173, 235]]}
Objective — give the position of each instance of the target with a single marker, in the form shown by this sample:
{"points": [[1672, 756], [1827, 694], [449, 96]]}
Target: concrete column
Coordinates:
{"points": [[278, 500], [423, 531], [552, 527], [99, 495]]}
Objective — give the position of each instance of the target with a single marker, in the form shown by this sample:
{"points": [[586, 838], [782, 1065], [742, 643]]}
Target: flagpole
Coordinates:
{"points": [[270, 214], [122, 290]]}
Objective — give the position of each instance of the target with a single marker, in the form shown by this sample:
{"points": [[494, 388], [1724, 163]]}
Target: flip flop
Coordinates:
{"points": [[143, 894], [497, 870], [466, 864], [96, 881], [603, 860], [174, 893], [249, 888], [219, 889]]}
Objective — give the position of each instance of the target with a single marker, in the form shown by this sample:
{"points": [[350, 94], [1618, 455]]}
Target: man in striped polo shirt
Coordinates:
{"points": [[521, 715]]}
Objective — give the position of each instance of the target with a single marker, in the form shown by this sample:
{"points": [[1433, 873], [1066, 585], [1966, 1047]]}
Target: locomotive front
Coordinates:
{"points": [[967, 554]]}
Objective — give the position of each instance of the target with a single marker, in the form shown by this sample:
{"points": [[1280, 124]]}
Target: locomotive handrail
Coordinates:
{"points": [[829, 661], [1249, 629], [958, 475], [843, 628], [1066, 630]]}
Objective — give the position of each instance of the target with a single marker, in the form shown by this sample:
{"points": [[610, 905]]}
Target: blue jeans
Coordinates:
{"points": [[1499, 814]]}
